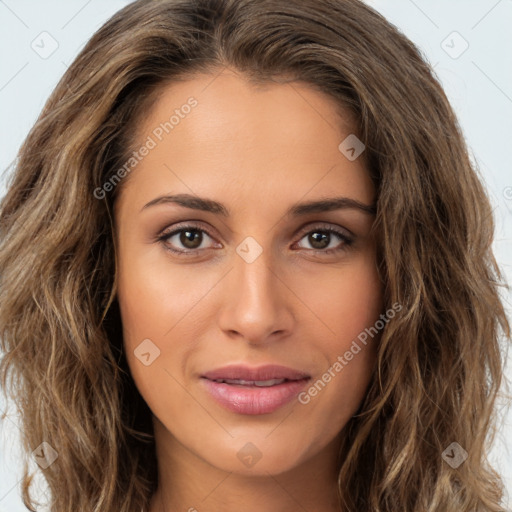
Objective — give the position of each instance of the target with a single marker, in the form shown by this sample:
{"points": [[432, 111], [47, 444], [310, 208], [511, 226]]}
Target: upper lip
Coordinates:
{"points": [[259, 373]]}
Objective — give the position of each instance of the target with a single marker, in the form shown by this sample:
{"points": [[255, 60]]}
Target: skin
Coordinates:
{"points": [[258, 151]]}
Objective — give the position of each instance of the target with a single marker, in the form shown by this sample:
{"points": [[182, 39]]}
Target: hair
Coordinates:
{"points": [[439, 366]]}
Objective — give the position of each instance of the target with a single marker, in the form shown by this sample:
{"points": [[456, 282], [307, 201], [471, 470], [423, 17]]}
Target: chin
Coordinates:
{"points": [[258, 452]]}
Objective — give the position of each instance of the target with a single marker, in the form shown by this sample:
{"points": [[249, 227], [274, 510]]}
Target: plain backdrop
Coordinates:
{"points": [[468, 42]]}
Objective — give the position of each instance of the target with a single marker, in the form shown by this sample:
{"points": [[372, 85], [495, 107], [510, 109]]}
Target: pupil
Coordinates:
{"points": [[189, 239], [314, 240]]}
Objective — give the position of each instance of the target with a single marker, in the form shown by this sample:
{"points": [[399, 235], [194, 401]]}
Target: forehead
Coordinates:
{"points": [[221, 134]]}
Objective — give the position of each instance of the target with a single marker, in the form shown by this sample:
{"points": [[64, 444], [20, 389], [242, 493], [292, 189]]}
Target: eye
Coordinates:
{"points": [[327, 240], [189, 239]]}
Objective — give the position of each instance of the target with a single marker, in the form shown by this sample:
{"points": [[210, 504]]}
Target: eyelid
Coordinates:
{"points": [[311, 226], [192, 224]]}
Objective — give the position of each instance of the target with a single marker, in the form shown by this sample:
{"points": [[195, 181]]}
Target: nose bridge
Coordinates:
{"points": [[255, 306]]}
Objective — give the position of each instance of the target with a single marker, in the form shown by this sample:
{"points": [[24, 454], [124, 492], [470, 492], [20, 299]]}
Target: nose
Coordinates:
{"points": [[257, 302]]}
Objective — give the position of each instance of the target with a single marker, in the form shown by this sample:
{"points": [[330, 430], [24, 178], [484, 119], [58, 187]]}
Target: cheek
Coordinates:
{"points": [[346, 300], [167, 305], [151, 314], [349, 303], [155, 296]]}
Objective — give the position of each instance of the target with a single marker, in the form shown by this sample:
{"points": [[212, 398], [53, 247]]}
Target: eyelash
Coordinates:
{"points": [[164, 236]]}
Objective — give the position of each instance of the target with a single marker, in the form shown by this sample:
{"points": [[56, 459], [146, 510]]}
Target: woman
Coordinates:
{"points": [[246, 262]]}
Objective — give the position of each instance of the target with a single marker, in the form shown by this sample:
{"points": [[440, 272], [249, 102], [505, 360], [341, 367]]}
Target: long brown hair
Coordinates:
{"points": [[439, 363]]}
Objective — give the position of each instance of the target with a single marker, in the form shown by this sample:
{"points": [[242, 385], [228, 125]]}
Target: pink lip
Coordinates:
{"points": [[270, 371], [251, 399]]}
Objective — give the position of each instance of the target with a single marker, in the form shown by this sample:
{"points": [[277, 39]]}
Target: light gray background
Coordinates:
{"points": [[477, 80]]}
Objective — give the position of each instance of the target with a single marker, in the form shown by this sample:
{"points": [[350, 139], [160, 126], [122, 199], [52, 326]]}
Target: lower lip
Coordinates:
{"points": [[253, 399]]}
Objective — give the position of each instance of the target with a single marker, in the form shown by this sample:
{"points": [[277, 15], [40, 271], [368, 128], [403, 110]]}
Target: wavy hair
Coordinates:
{"points": [[440, 363]]}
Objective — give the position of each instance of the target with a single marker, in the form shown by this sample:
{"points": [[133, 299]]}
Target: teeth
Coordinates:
{"points": [[271, 382], [260, 383]]}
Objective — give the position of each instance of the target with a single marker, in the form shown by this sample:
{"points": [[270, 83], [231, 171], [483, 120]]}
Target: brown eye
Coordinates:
{"points": [[190, 239], [319, 240], [187, 239], [327, 240]]}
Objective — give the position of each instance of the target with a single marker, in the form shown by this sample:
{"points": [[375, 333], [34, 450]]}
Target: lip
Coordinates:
{"points": [[246, 397], [266, 372]]}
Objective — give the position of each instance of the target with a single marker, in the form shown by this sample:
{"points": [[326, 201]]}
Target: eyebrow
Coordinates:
{"points": [[296, 210]]}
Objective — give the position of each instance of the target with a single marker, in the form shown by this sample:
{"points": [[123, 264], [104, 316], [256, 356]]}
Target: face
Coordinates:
{"points": [[240, 287]]}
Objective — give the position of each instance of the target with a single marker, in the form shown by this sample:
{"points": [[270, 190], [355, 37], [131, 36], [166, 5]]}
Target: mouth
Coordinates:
{"points": [[252, 383], [253, 391]]}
